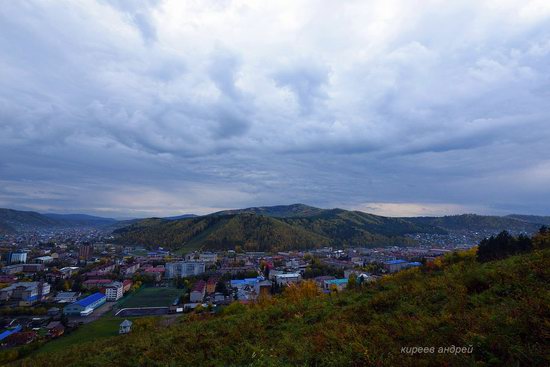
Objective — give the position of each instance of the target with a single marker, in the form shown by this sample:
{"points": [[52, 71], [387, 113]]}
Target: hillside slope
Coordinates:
{"points": [[498, 308]]}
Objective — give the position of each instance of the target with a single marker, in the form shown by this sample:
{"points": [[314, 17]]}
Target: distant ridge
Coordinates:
{"points": [[277, 211], [12, 221], [182, 216], [268, 227]]}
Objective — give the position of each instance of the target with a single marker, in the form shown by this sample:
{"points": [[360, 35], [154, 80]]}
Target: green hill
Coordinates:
{"points": [[495, 312], [273, 229]]}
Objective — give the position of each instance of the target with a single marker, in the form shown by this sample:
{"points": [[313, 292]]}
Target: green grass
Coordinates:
{"points": [[150, 297], [102, 328]]}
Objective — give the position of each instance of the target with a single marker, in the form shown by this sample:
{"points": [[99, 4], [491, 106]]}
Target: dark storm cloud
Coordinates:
{"points": [[160, 107]]}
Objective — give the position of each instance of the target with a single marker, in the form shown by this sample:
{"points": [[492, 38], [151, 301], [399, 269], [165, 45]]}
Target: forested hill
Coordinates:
{"points": [[300, 226], [267, 229], [496, 312]]}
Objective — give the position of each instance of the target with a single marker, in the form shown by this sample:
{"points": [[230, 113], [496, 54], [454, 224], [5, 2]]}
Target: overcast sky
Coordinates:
{"points": [[138, 108]]}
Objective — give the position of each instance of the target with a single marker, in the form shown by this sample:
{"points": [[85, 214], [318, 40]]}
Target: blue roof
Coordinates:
{"points": [[247, 281], [415, 263], [337, 281], [393, 262], [85, 302], [7, 333]]}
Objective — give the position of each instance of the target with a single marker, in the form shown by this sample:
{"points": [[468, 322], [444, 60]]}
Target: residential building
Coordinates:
{"points": [[85, 306], [43, 260], [96, 283], [198, 292], [114, 291], [155, 272], [393, 266], [263, 288], [211, 285], [27, 293], [129, 269], [85, 252], [127, 285], [247, 282], [183, 269], [287, 278], [17, 257], [66, 297], [208, 257], [336, 284], [22, 268], [320, 280], [55, 329], [68, 271]]}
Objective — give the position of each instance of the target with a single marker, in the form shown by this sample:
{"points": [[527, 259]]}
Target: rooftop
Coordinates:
{"points": [[337, 281], [394, 262], [85, 302]]}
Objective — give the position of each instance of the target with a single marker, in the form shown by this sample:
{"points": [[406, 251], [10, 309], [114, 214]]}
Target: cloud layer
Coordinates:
{"points": [[161, 107]]}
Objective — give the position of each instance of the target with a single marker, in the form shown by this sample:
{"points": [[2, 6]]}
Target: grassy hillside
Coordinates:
{"points": [[499, 308]]}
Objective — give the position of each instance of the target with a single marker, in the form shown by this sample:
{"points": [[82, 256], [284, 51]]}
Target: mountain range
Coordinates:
{"points": [[299, 226], [271, 228]]}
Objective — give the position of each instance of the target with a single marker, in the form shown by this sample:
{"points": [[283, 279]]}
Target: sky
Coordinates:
{"points": [[128, 108]]}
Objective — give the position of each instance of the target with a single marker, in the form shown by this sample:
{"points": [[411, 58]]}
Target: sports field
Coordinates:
{"points": [[150, 297]]}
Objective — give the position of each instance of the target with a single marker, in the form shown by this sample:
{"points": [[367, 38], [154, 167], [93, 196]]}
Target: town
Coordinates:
{"points": [[53, 282]]}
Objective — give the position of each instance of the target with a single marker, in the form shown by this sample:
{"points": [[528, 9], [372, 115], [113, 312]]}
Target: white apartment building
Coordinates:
{"points": [[114, 291], [183, 269]]}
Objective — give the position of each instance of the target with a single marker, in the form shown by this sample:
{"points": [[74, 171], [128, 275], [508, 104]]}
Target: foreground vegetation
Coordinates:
{"points": [[496, 312]]}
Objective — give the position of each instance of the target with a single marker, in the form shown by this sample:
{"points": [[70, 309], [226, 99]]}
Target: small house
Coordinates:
{"points": [[125, 327]]}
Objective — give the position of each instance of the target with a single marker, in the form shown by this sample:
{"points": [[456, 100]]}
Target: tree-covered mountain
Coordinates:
{"points": [[273, 229], [16, 220], [465, 313], [249, 231], [300, 226], [277, 211]]}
